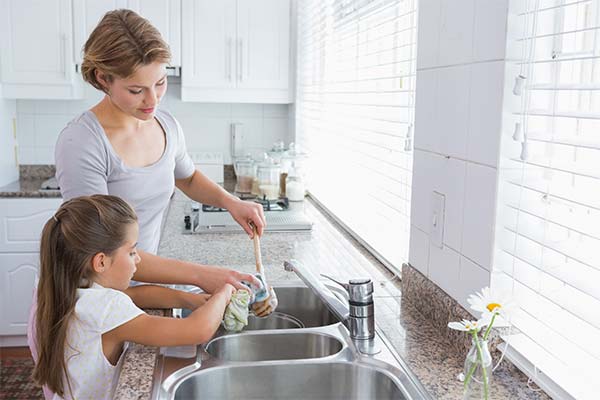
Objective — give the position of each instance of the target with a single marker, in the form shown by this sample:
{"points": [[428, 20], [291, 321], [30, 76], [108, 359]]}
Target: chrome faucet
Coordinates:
{"points": [[358, 315]]}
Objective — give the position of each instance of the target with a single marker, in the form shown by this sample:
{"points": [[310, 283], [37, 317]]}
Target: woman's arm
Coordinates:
{"points": [[198, 187], [152, 296], [198, 327], [156, 269]]}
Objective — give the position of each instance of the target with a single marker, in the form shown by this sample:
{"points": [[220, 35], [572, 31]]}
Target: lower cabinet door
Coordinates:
{"points": [[18, 275]]}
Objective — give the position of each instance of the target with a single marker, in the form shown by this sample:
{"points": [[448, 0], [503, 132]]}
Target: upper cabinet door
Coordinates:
{"points": [[35, 43], [208, 41], [263, 44], [165, 15], [86, 15]]}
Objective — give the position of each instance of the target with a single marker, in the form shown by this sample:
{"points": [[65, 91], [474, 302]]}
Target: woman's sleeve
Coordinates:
{"points": [[184, 166], [81, 163]]}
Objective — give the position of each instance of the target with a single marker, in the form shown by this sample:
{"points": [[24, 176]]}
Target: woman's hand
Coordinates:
{"points": [[245, 212], [213, 278]]}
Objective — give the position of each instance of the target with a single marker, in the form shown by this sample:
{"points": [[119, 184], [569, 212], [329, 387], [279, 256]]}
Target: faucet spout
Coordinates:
{"points": [[340, 309]]}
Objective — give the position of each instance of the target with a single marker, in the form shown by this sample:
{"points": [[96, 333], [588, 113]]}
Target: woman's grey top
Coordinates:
{"points": [[86, 164]]}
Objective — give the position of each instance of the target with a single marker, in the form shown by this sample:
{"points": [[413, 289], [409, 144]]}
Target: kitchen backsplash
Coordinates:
{"points": [[206, 125]]}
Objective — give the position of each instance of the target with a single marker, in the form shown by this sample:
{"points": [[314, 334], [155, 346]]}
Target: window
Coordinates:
{"points": [[547, 249], [355, 112]]}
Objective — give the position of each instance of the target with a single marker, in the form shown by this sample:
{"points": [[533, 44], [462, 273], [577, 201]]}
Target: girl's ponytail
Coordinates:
{"points": [[80, 229]]}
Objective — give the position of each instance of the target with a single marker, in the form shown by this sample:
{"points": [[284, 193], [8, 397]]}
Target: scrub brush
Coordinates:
{"points": [[265, 300]]}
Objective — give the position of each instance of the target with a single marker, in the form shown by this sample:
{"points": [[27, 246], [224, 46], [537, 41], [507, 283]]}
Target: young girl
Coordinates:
{"points": [[86, 310]]}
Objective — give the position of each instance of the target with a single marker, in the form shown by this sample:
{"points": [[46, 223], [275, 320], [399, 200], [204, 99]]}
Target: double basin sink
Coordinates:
{"points": [[301, 351]]}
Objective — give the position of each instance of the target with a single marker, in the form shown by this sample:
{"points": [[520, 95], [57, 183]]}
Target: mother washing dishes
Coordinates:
{"points": [[126, 146]]}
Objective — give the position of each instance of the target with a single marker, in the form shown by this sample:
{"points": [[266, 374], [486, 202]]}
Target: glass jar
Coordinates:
{"points": [[294, 185], [268, 180], [245, 172]]}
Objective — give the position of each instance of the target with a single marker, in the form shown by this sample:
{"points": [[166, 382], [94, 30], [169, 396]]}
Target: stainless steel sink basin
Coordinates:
{"points": [[296, 303], [338, 380], [274, 346]]}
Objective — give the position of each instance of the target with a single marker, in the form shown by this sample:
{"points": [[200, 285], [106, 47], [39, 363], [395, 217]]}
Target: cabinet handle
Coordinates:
{"points": [[228, 58], [241, 59], [63, 53]]}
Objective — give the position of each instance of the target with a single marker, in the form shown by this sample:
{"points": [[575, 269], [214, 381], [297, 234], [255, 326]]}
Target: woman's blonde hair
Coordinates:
{"points": [[122, 42], [81, 228]]}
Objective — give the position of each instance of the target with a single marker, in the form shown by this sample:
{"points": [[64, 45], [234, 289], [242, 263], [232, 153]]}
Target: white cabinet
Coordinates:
{"points": [[21, 224], [35, 49], [18, 274], [165, 15], [236, 51]]}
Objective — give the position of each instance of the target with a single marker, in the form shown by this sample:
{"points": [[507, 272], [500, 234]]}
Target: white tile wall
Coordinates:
{"points": [[206, 125], [460, 81]]}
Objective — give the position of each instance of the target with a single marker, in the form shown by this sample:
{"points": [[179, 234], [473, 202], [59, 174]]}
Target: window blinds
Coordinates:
{"points": [[547, 248], [354, 114]]}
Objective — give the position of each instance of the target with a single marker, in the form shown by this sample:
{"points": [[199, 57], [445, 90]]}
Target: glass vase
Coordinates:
{"points": [[478, 371]]}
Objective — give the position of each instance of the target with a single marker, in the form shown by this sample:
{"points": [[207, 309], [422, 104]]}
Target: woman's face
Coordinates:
{"points": [[140, 94]]}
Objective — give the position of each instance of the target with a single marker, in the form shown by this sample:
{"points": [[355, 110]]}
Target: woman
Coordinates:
{"points": [[127, 147]]}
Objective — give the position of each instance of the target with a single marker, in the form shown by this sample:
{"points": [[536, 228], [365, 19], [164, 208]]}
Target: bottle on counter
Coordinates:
{"points": [[294, 184]]}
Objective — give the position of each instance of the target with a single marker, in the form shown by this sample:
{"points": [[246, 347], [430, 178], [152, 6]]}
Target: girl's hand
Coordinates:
{"points": [[245, 212], [228, 290], [197, 300]]}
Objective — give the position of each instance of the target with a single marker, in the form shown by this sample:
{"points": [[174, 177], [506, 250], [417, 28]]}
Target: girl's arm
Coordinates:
{"points": [[156, 269], [198, 327], [152, 296]]}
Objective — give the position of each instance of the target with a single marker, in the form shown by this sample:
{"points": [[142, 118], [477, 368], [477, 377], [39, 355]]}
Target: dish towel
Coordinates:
{"points": [[236, 314]]}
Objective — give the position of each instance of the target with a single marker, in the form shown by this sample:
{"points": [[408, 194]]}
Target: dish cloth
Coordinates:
{"points": [[236, 314]]}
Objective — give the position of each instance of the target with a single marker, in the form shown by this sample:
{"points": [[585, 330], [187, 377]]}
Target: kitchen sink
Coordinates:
{"points": [[336, 380], [301, 351], [274, 346]]}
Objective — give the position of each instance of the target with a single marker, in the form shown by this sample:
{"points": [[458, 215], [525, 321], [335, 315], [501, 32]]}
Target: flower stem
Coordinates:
{"points": [[470, 373], [489, 328], [483, 371]]}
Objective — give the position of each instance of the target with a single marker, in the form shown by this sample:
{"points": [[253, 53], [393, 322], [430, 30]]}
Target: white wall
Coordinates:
{"points": [[206, 126], [460, 81], [9, 171]]}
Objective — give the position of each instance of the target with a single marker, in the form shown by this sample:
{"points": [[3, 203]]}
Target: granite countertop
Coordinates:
{"points": [[30, 183], [427, 351]]}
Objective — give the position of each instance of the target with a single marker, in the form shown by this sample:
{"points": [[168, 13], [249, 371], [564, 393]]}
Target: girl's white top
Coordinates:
{"points": [[97, 311]]}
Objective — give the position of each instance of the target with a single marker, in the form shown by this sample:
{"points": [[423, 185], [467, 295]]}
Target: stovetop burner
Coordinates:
{"points": [[281, 204]]}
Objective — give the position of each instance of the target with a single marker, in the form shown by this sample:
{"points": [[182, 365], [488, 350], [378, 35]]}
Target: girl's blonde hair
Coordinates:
{"points": [[120, 44], [81, 228]]}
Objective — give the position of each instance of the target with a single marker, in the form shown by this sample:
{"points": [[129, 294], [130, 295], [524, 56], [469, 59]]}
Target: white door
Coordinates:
{"points": [[165, 15], [263, 44], [35, 42], [18, 275], [208, 43]]}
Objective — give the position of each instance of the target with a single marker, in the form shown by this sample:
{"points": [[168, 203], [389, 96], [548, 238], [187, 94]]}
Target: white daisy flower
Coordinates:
{"points": [[467, 326], [489, 303]]}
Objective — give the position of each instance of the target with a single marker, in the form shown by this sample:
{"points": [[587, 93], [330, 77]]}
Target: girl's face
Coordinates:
{"points": [[116, 271], [140, 94]]}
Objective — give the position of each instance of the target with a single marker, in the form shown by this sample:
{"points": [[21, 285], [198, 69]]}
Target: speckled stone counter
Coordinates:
{"points": [[327, 249], [30, 182]]}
